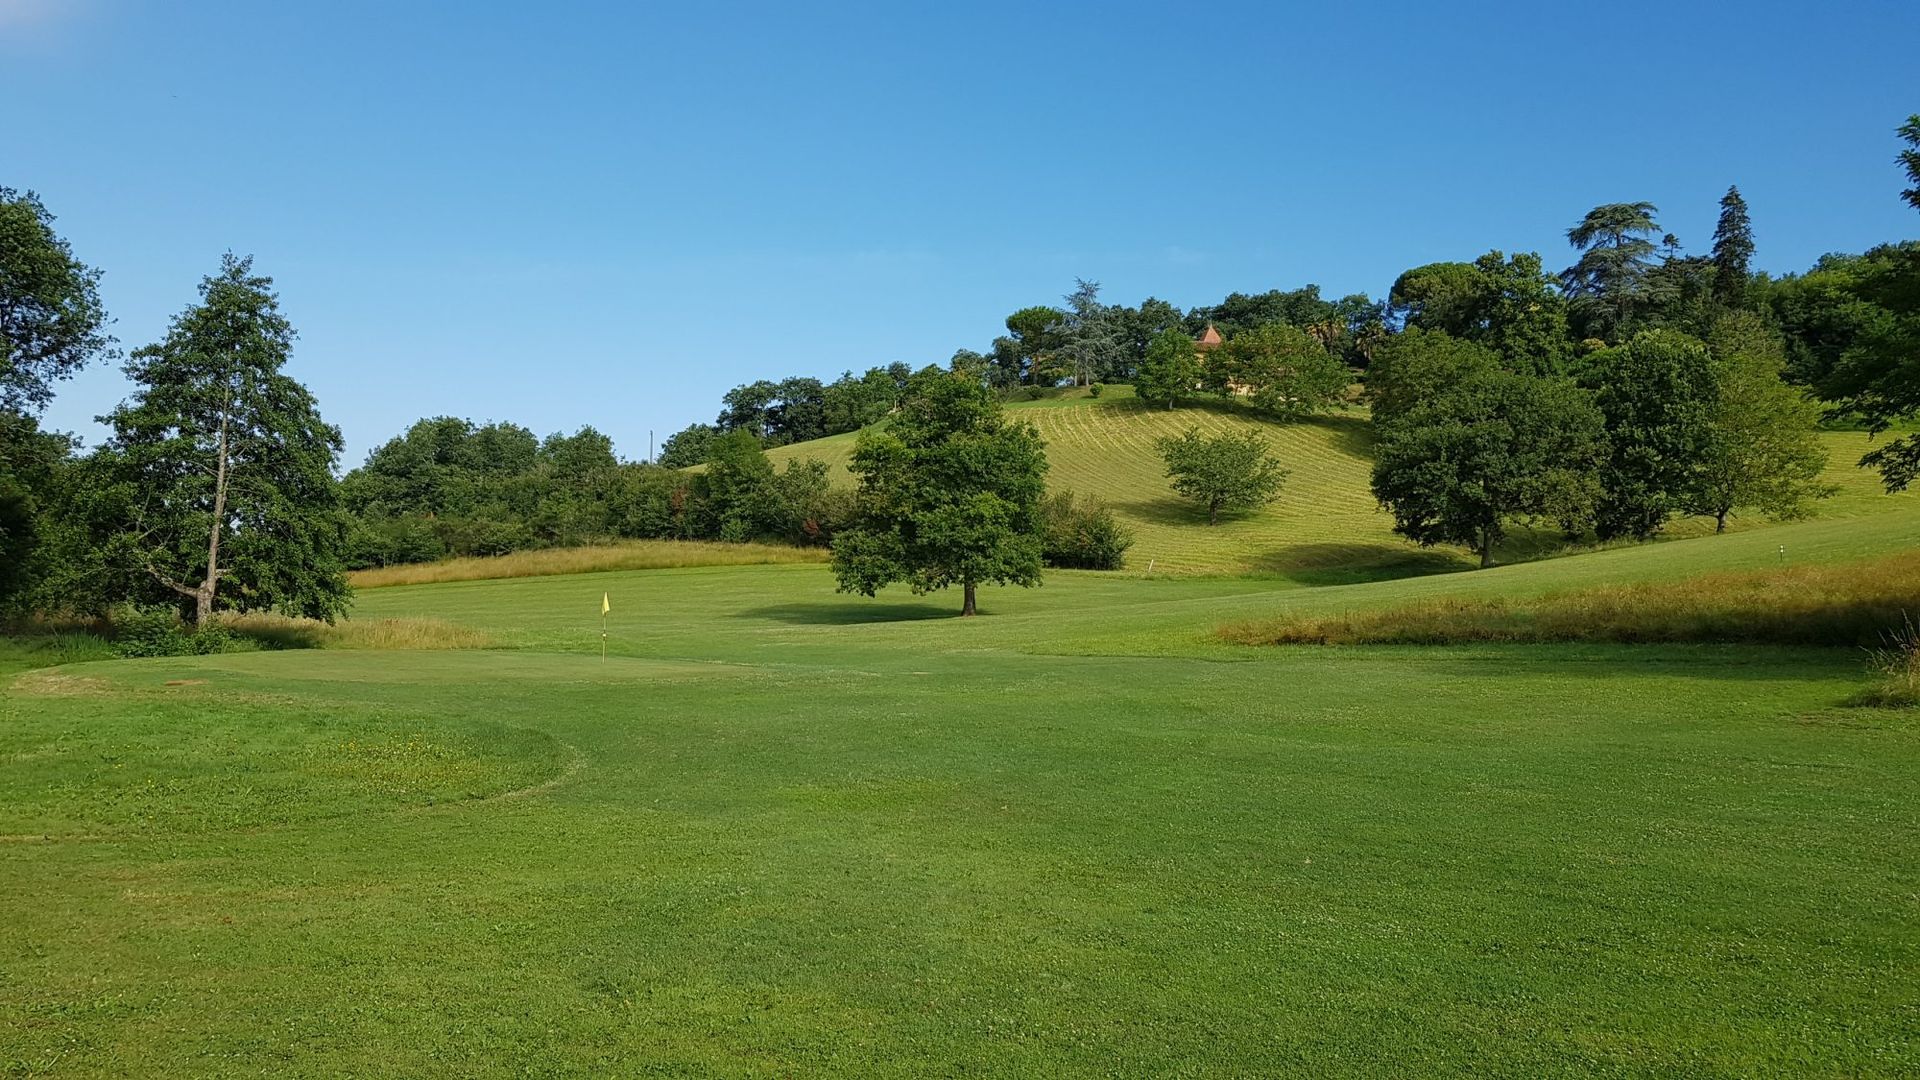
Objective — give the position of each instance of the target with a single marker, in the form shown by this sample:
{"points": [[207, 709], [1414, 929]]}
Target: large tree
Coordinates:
{"points": [[1762, 448], [1657, 394], [1417, 365], [1877, 377], [1092, 337], [1496, 448], [1732, 251], [949, 494], [51, 320], [220, 465], [1232, 471], [1171, 370], [1606, 284], [1509, 304]]}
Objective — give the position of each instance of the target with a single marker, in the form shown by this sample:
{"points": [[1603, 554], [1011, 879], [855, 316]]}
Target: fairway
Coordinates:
{"points": [[1325, 525], [781, 831]]}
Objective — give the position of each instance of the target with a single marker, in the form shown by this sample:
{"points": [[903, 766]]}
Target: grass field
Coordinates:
{"points": [[784, 832], [1325, 526]]}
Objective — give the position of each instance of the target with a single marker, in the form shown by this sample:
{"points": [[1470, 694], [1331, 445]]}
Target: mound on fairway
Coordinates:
{"points": [[1326, 525]]}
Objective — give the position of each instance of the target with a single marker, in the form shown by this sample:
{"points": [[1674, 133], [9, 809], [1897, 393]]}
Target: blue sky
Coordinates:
{"points": [[568, 213]]}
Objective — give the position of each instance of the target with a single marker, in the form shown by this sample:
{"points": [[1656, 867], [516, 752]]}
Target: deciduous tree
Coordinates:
{"points": [[949, 494], [1232, 471], [1171, 371], [1762, 449]]}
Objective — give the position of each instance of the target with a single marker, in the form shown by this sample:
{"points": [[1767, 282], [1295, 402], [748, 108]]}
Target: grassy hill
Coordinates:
{"points": [[1326, 525]]}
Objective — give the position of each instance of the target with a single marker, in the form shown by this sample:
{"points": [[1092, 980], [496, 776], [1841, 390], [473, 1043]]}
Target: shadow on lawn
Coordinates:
{"points": [[849, 613]]}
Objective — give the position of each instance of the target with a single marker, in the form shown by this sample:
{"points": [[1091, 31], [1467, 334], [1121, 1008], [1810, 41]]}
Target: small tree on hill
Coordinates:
{"points": [[1762, 449], [220, 466], [949, 493], [1497, 448], [1171, 370], [1657, 395], [1235, 471]]}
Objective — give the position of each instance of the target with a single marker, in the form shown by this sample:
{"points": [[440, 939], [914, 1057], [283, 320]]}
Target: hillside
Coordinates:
{"points": [[1326, 525]]}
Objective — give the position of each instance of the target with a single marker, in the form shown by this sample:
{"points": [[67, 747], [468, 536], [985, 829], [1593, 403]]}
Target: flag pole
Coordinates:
{"points": [[605, 606]]}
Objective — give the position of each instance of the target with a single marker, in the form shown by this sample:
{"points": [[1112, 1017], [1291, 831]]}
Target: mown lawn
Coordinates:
{"points": [[782, 832], [1325, 526]]}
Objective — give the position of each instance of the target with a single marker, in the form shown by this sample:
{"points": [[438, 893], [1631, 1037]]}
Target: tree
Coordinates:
{"points": [[1091, 341], [688, 446], [1877, 378], [1171, 370], [1418, 365], [1762, 449], [732, 487], [1446, 296], [1511, 305], [1732, 251], [1283, 370], [1031, 340], [1605, 286], [1657, 395], [51, 320], [1233, 471], [949, 493], [1495, 449], [223, 464]]}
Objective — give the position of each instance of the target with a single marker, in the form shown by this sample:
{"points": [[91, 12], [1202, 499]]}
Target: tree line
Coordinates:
{"points": [[1637, 383]]}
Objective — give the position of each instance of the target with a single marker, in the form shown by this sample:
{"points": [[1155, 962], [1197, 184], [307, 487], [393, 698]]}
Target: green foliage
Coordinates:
{"points": [[1606, 286], [1494, 449], [1082, 534], [217, 484], [1732, 251], [51, 321], [1417, 365], [1658, 397], [687, 447], [1229, 472], [949, 494], [1282, 370], [1762, 447], [160, 632], [1095, 389], [1171, 371], [1510, 305]]}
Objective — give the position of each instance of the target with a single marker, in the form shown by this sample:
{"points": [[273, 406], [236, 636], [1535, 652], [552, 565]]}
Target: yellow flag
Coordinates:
{"points": [[605, 606]]}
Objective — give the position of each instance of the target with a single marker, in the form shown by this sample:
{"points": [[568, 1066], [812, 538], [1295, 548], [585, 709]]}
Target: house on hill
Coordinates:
{"points": [[1205, 347]]}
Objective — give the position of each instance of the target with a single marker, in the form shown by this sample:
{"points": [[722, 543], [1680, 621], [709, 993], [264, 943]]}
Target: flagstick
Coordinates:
{"points": [[603, 637]]}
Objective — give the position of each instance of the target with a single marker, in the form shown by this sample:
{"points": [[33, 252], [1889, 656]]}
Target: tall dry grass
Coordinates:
{"points": [[1852, 604], [280, 632], [631, 555]]}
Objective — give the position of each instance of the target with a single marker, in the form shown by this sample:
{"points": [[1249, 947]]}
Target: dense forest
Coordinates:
{"points": [[1641, 381]]}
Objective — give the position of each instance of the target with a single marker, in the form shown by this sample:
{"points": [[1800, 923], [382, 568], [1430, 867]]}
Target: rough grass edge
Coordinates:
{"points": [[549, 562]]}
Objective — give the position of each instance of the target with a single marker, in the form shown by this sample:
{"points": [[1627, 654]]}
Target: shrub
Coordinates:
{"points": [[159, 632], [1095, 389], [1082, 534]]}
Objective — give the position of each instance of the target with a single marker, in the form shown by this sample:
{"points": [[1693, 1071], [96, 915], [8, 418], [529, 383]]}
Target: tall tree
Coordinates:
{"points": [[1657, 394], [1762, 449], [1171, 370], [1232, 471], [949, 493], [1877, 378], [222, 464], [1417, 365], [1030, 341], [1732, 251], [1494, 449], [1605, 285], [1092, 341], [51, 320]]}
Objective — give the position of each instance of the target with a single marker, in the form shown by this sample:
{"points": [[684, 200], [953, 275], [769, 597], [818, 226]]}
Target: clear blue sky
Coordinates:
{"points": [[609, 213]]}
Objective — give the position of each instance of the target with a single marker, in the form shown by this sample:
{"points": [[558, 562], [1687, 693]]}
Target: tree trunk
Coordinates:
{"points": [[1213, 512], [1486, 548], [203, 598], [968, 606], [1720, 522]]}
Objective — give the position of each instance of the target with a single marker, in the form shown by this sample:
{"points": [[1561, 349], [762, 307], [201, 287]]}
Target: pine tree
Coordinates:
{"points": [[1732, 250]]}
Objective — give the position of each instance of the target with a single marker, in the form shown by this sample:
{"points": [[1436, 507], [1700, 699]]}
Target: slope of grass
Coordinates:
{"points": [[1326, 525], [785, 832], [1854, 604]]}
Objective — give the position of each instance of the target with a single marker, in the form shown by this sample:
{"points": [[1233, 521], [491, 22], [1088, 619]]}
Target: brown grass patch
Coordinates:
{"points": [[281, 632], [1852, 604], [633, 555]]}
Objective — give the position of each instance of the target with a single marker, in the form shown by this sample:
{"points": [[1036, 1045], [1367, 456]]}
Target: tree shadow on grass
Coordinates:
{"points": [[1354, 564], [849, 613]]}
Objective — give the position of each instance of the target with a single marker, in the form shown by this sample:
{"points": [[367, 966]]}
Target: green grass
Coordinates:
{"points": [[785, 832], [1326, 525]]}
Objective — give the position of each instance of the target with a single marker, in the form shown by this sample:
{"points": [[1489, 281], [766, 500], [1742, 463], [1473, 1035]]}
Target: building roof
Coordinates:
{"points": [[1209, 340]]}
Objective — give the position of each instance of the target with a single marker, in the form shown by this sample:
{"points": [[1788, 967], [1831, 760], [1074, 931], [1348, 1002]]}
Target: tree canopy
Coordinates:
{"points": [[1232, 471]]}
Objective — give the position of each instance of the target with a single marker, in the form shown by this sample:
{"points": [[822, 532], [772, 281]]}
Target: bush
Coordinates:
{"points": [[159, 632], [1095, 389], [1082, 534]]}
